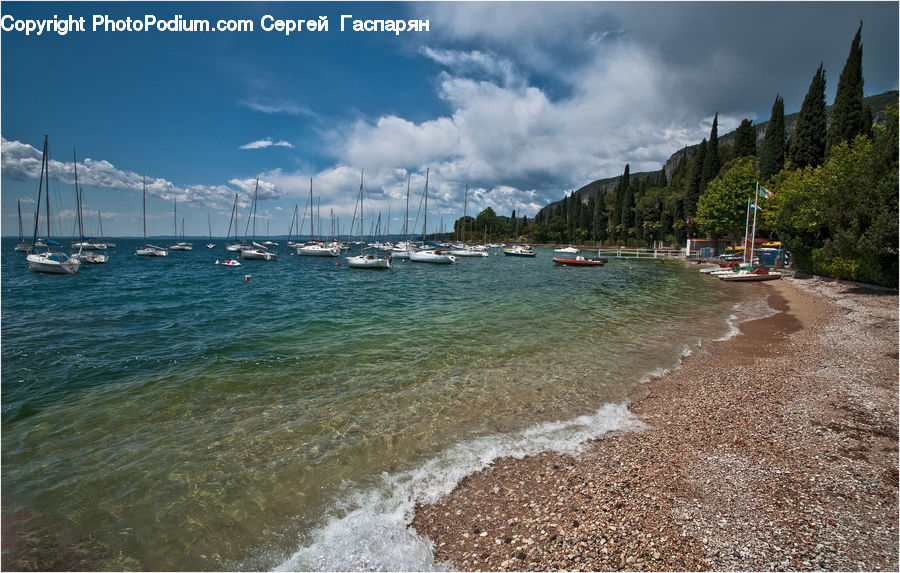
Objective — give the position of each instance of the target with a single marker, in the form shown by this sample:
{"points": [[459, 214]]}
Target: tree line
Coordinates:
{"points": [[828, 190]]}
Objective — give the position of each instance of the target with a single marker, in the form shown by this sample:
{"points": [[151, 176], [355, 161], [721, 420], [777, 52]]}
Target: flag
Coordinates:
{"points": [[766, 193], [754, 207]]}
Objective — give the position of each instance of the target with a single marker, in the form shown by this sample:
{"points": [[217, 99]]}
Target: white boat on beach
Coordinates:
{"points": [[760, 274]]}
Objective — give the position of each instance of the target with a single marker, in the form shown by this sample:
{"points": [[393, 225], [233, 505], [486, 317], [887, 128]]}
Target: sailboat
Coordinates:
{"points": [[267, 242], [85, 254], [366, 260], [316, 247], [233, 246], [255, 251], [210, 244], [179, 245], [21, 246], [109, 244], [463, 250], [55, 262], [404, 247], [750, 274], [430, 255], [519, 250], [148, 250], [293, 244]]}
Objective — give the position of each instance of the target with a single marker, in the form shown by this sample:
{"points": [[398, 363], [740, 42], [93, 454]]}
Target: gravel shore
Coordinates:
{"points": [[774, 450]]}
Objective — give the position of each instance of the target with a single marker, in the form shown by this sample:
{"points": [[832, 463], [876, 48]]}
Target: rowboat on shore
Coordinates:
{"points": [[760, 274], [579, 261]]}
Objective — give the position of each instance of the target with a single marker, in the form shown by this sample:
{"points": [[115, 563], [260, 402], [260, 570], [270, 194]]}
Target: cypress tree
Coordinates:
{"points": [[847, 112], [692, 181], [711, 161], [772, 155], [745, 139], [807, 145], [622, 195]]}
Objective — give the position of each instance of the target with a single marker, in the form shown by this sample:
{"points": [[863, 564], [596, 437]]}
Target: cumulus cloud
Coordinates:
{"points": [[22, 161]]}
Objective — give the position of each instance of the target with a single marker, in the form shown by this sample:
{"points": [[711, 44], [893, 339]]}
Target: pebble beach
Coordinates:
{"points": [[776, 449]]}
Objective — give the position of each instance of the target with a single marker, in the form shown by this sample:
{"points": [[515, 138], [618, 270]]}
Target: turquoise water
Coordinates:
{"points": [[168, 414]]}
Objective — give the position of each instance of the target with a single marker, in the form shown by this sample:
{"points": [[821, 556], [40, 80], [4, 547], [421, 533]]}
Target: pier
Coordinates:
{"points": [[634, 253]]}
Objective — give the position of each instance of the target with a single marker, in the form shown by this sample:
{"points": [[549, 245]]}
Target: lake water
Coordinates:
{"points": [[172, 414]]}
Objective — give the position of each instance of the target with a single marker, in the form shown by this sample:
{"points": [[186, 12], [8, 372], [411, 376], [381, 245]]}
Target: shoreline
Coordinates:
{"points": [[773, 450]]}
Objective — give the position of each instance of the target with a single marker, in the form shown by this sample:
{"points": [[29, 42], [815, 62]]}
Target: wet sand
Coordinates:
{"points": [[774, 450]]}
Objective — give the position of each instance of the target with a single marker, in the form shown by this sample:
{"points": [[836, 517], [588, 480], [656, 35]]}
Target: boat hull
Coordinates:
{"points": [[53, 263], [745, 276], [368, 262], [582, 262], [257, 255], [432, 257], [318, 251]]}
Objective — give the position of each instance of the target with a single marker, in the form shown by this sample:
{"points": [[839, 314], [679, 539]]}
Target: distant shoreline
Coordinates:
{"points": [[774, 450]]}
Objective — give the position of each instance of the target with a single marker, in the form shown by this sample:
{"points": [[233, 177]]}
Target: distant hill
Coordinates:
{"points": [[877, 103]]}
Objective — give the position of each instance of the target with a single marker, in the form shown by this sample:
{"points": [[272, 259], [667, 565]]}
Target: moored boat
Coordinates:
{"points": [[53, 262], [519, 251], [579, 261]]}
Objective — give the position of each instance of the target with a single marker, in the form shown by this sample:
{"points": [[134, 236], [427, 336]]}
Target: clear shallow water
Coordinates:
{"points": [[183, 418]]}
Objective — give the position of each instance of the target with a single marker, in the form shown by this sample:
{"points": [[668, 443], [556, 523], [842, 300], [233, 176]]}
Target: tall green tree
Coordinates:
{"points": [[745, 139], [692, 181], [807, 143], [722, 210], [711, 161], [847, 116], [771, 159]]}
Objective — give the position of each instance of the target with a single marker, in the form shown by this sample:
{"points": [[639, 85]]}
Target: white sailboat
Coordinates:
{"points": [[85, 254], [316, 247], [255, 251], [148, 250], [366, 260], [181, 245], [53, 262], [403, 248], [430, 255], [21, 246], [233, 246], [210, 244]]}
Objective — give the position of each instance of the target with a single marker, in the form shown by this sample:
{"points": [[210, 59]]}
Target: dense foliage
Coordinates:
{"points": [[833, 206]]}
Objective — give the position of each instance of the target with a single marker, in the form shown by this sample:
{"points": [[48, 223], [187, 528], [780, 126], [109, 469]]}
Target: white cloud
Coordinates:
{"points": [[263, 143], [271, 107]]}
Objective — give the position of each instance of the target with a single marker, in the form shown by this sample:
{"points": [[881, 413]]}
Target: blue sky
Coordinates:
{"points": [[522, 101]]}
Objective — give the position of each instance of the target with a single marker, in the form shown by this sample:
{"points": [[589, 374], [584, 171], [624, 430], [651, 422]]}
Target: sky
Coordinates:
{"points": [[521, 102]]}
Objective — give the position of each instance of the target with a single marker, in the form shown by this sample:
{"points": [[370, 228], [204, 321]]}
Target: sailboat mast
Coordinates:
{"points": [[312, 234], [361, 201], [19, 205], [233, 209], [425, 219], [465, 211], [406, 219], [78, 205], [144, 211], [47, 195]]}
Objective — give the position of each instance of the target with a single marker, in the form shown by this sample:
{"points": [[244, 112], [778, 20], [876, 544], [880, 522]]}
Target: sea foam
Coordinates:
{"points": [[745, 312], [368, 528]]}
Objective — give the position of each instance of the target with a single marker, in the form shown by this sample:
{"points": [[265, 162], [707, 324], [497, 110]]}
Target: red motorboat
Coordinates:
{"points": [[579, 261]]}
